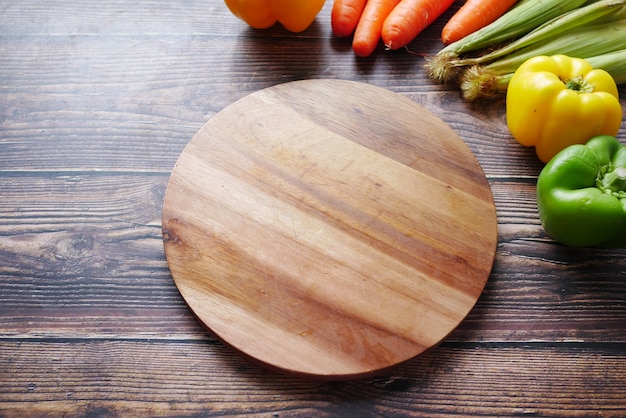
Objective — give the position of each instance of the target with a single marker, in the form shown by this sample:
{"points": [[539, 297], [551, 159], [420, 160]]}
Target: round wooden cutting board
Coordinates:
{"points": [[329, 229]]}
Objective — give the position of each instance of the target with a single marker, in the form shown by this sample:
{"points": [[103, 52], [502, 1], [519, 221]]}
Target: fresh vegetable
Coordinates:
{"points": [[554, 34], [581, 194], [472, 16], [397, 22], [479, 84], [409, 18], [368, 30], [553, 102], [613, 63], [345, 15], [295, 16], [257, 14], [603, 11], [522, 18], [481, 81]]}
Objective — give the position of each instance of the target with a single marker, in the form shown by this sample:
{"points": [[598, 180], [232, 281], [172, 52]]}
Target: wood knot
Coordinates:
{"points": [[171, 237], [74, 246]]}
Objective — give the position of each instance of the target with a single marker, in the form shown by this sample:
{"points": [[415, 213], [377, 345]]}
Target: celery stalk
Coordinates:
{"points": [[614, 63], [583, 42], [603, 11], [605, 49], [524, 17]]}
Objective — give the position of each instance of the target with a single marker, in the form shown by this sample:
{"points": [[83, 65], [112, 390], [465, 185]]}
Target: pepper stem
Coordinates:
{"points": [[579, 84], [614, 182]]}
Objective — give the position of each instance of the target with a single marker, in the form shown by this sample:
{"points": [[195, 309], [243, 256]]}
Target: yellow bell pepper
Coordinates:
{"points": [[294, 15], [558, 101]]}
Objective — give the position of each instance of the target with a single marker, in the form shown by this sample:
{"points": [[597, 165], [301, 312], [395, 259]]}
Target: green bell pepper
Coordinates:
{"points": [[581, 194]]}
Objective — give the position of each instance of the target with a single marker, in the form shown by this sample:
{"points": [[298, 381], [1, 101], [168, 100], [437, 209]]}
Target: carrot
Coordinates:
{"points": [[368, 31], [473, 15], [345, 16], [409, 18]]}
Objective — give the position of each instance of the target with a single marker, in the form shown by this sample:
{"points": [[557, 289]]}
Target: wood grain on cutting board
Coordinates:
{"points": [[328, 228]]}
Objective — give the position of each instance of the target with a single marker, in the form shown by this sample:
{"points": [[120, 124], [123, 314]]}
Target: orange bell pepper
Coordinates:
{"points": [[294, 15]]}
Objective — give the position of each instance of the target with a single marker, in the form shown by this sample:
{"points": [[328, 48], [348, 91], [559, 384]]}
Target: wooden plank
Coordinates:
{"points": [[98, 99], [90, 245], [117, 17], [120, 378], [93, 92]]}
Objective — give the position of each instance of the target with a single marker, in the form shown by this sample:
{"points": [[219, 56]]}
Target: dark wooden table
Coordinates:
{"points": [[98, 100]]}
